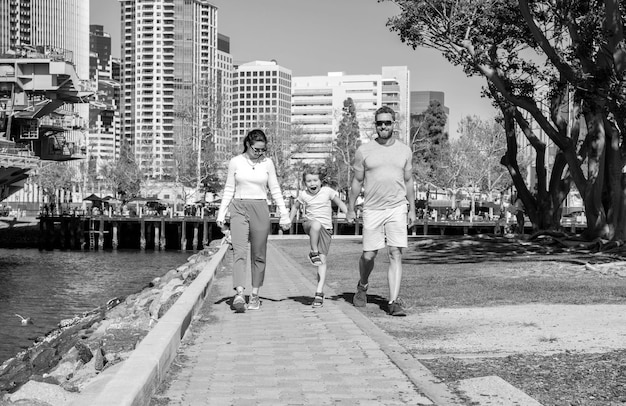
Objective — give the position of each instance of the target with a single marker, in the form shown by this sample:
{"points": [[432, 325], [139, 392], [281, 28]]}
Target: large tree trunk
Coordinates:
{"points": [[594, 210]]}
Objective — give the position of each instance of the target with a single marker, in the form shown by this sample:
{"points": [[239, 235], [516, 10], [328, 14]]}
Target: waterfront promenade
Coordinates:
{"points": [[288, 353]]}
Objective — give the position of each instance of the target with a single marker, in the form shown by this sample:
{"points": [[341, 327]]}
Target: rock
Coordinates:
{"points": [[27, 402], [88, 346], [15, 374], [43, 392], [168, 303], [100, 361], [84, 353]]}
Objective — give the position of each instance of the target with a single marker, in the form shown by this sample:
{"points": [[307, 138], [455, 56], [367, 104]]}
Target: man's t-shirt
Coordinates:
{"points": [[317, 206], [384, 167]]}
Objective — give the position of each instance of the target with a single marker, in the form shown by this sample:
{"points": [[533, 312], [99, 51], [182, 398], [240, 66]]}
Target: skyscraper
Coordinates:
{"points": [[318, 102], [58, 24], [222, 135], [261, 99], [168, 81], [100, 52]]}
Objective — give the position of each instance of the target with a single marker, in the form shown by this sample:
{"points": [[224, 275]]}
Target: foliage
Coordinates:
{"points": [[124, 174], [195, 163], [339, 163], [429, 142], [553, 68], [285, 140], [54, 177]]}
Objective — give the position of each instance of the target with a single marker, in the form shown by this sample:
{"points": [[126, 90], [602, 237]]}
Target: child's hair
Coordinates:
{"points": [[313, 170]]}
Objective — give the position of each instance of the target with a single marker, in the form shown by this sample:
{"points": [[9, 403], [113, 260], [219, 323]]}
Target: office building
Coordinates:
{"points": [[317, 103], [421, 100], [51, 25], [104, 137], [262, 99], [222, 135], [99, 53], [168, 81]]}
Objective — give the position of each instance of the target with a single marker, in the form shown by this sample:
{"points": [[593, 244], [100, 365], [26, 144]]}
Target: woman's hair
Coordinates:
{"points": [[252, 137], [313, 170]]}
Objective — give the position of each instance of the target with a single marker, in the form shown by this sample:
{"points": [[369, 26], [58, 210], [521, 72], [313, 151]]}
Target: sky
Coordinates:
{"points": [[312, 38]]}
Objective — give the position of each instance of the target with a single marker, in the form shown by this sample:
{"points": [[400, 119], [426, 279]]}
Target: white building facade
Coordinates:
{"points": [[261, 99], [168, 80], [317, 103]]}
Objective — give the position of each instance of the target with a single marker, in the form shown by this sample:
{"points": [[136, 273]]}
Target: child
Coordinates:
{"points": [[317, 214]]}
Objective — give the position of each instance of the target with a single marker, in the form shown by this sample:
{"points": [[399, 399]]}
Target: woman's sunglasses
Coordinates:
{"points": [[258, 150]]}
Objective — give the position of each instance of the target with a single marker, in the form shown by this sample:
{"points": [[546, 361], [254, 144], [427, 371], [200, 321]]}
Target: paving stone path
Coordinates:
{"points": [[286, 353]]}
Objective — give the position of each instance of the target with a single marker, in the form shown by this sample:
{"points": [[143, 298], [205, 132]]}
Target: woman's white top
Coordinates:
{"points": [[248, 179]]}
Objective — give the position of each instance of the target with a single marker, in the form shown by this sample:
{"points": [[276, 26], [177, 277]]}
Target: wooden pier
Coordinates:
{"points": [[194, 233], [120, 232]]}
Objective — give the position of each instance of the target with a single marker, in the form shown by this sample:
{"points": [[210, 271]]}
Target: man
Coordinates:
{"points": [[383, 168]]}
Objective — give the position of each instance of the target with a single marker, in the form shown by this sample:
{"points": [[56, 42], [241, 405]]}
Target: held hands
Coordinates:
{"points": [[350, 216], [285, 224]]}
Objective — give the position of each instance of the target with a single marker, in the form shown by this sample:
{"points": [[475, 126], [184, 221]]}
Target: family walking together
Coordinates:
{"points": [[382, 174]]}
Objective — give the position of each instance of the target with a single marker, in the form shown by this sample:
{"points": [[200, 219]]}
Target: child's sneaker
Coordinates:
{"points": [[239, 303], [315, 259], [360, 297], [318, 301]]}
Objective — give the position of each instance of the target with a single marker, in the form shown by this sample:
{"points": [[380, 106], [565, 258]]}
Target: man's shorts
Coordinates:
{"points": [[323, 243], [387, 226]]}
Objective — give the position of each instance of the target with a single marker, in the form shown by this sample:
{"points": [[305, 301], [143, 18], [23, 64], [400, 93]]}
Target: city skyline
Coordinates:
{"points": [[308, 39]]}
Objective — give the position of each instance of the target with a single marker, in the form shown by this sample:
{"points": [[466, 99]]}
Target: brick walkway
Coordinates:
{"points": [[286, 353]]}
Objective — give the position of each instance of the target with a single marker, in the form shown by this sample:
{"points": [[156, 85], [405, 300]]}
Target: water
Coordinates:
{"points": [[49, 286]]}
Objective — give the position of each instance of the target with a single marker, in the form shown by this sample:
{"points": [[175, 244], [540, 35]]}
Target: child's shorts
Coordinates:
{"points": [[323, 244]]}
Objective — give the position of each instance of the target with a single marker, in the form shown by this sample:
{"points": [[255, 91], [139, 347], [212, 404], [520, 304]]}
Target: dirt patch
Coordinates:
{"points": [[504, 330]]}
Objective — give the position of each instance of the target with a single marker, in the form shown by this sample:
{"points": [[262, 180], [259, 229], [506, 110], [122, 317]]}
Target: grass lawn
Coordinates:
{"points": [[469, 272], [482, 271]]}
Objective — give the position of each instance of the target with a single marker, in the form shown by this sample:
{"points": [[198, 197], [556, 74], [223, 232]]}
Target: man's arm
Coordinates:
{"points": [[355, 190], [410, 195]]}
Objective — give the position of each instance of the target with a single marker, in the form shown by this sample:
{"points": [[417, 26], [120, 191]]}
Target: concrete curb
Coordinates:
{"points": [[140, 375]]}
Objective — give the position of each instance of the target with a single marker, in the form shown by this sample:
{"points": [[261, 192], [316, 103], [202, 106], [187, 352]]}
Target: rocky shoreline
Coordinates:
{"points": [[61, 364]]}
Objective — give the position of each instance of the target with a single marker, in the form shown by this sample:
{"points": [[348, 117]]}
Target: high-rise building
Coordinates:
{"points": [[261, 99], [100, 53], [421, 100], [104, 139], [168, 81], [317, 103], [51, 25], [222, 134]]}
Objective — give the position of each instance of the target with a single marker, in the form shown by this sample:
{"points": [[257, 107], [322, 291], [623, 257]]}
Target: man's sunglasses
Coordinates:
{"points": [[258, 150], [387, 123]]}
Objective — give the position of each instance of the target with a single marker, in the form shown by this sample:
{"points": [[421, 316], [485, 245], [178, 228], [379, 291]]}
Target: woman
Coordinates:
{"points": [[250, 175]]}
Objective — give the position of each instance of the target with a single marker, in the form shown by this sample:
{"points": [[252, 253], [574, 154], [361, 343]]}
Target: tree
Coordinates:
{"points": [[339, 164], [53, 178], [429, 141], [284, 141], [551, 67], [124, 174], [200, 120]]}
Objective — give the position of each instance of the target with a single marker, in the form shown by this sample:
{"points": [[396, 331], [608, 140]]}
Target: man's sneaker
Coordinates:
{"points": [[239, 303], [315, 259], [360, 297], [318, 301], [254, 303], [395, 309]]}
